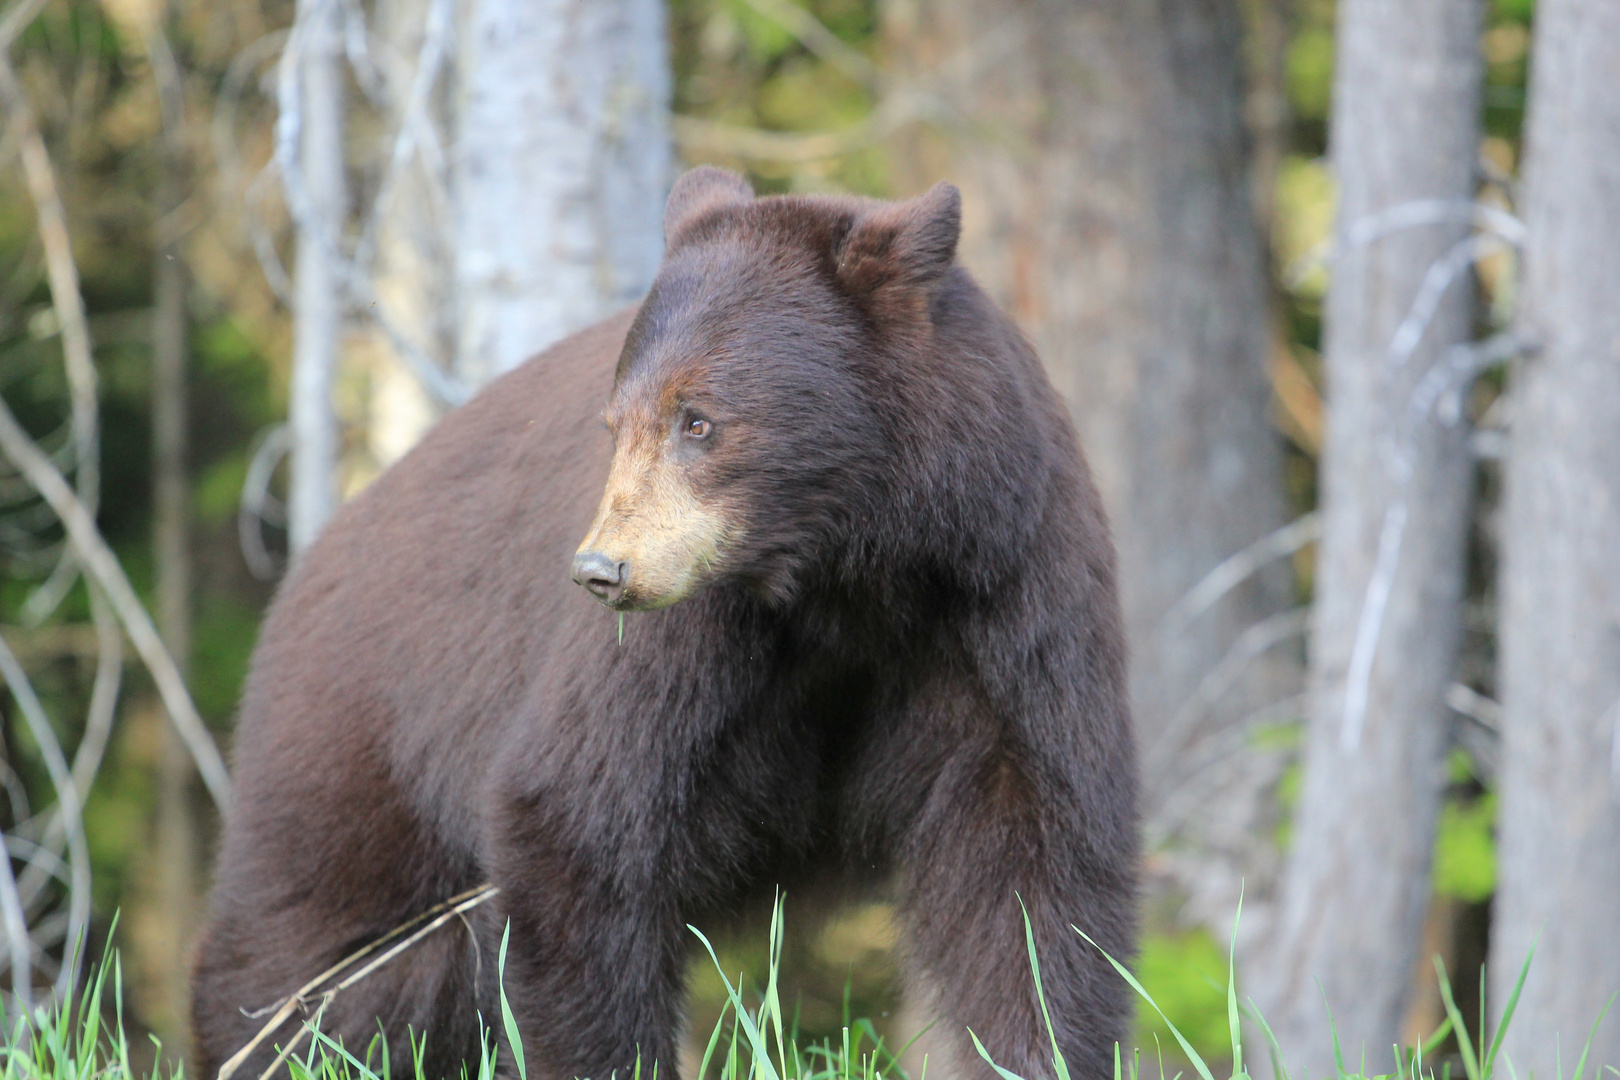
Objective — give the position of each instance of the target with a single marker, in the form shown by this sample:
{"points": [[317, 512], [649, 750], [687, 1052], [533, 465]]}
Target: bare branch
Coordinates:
{"points": [[99, 560], [64, 280], [258, 506], [22, 965], [815, 36], [753, 144], [1250, 645], [17, 19], [67, 796], [1233, 571]]}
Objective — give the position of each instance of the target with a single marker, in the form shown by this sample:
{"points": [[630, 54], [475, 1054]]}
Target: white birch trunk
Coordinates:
{"points": [[319, 206], [1559, 854], [1389, 572], [561, 165], [412, 275]]}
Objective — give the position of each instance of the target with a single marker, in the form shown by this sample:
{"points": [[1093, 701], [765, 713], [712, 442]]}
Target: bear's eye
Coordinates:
{"points": [[697, 427]]}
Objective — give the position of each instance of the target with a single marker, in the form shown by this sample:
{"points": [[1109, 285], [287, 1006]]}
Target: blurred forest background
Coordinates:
{"points": [[250, 250]]}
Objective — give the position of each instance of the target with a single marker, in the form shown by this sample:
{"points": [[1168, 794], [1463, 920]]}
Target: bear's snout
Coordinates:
{"points": [[602, 577]]}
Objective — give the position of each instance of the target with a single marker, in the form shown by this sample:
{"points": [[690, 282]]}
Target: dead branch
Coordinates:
{"points": [[67, 797], [99, 560], [16, 21], [1236, 569], [17, 936], [433, 918], [814, 35]]}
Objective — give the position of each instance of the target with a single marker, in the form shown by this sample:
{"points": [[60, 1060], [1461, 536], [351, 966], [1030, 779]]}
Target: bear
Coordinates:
{"points": [[795, 568]]}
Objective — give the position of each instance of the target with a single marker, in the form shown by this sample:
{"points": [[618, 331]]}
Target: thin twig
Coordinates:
{"points": [[17, 19], [63, 275], [97, 729], [1252, 643], [22, 963], [103, 565], [814, 35], [1233, 571], [708, 136], [434, 917], [67, 797], [258, 507]]}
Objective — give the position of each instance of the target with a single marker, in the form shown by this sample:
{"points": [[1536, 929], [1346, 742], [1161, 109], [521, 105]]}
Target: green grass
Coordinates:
{"points": [[84, 1039]]}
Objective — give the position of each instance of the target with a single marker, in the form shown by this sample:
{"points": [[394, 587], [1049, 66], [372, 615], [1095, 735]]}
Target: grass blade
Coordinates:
{"points": [[1058, 1064], [756, 1040], [1005, 1074], [1232, 1020], [1465, 1045], [1580, 1065], [1186, 1047], [1512, 1003], [507, 1019]]}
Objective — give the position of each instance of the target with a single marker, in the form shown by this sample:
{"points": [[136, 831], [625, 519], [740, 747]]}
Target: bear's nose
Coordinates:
{"points": [[600, 574]]}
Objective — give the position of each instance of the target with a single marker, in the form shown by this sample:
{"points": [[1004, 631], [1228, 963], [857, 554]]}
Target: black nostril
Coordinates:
{"points": [[599, 574]]}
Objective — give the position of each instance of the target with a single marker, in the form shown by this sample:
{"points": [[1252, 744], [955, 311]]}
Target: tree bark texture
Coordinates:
{"points": [[1107, 209], [319, 291], [412, 274], [561, 164], [173, 897], [1559, 635], [1101, 152], [1395, 492]]}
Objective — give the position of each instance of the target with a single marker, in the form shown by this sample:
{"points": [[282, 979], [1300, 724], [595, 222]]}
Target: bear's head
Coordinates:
{"points": [[752, 408]]}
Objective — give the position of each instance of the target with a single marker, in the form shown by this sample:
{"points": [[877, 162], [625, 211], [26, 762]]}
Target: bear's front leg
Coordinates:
{"points": [[1009, 811], [595, 960]]}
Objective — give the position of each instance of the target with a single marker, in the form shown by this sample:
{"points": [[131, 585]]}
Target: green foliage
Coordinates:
{"points": [[1310, 72], [1465, 850], [226, 629], [83, 1038], [1185, 973], [737, 65]]}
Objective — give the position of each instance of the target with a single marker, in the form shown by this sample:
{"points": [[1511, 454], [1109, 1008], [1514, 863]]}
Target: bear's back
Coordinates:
{"points": [[435, 598]]}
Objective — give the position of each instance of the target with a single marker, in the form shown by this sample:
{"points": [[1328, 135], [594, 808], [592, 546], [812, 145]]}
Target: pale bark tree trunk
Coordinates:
{"points": [[561, 165], [317, 194], [1101, 152], [412, 276], [1389, 573], [1559, 854], [176, 849]]}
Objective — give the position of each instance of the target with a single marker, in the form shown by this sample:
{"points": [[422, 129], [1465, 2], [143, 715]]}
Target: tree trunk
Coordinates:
{"points": [[1101, 152], [412, 274], [561, 167], [1559, 854], [172, 870], [1389, 573], [316, 193]]}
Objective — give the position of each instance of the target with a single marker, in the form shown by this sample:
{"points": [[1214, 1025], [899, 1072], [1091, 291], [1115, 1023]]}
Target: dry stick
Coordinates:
{"points": [[97, 728], [1191, 792], [22, 961], [68, 303], [1249, 646], [103, 566], [444, 911], [16, 21], [257, 505], [814, 35], [1238, 568], [67, 798], [893, 113]]}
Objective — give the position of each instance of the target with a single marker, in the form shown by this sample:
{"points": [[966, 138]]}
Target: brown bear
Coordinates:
{"points": [[860, 617]]}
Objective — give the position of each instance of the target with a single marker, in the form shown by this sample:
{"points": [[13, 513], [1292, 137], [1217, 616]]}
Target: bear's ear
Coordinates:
{"points": [[911, 243], [699, 191]]}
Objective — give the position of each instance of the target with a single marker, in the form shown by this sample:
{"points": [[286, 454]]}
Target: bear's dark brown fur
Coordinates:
{"points": [[897, 649]]}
